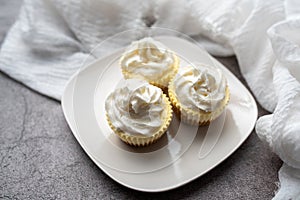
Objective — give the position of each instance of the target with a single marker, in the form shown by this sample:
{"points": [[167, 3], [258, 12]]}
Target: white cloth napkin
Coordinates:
{"points": [[51, 38]]}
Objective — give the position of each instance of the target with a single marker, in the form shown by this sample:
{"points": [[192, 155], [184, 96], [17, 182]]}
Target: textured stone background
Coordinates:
{"points": [[40, 158]]}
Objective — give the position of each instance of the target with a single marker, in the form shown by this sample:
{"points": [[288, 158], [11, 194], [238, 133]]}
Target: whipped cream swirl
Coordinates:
{"points": [[147, 58], [136, 108], [200, 87]]}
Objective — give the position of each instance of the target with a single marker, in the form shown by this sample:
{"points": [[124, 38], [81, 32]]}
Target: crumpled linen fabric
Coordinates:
{"points": [[51, 39]]}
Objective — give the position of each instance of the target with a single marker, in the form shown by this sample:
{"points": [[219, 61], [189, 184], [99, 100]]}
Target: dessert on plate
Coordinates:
{"points": [[199, 93], [149, 60], [138, 112]]}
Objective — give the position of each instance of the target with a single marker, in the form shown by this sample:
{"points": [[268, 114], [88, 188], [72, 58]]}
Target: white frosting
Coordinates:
{"points": [[147, 58], [200, 87], [136, 108]]}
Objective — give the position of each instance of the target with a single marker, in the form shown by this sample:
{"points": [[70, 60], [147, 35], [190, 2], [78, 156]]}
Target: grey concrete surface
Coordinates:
{"points": [[40, 158]]}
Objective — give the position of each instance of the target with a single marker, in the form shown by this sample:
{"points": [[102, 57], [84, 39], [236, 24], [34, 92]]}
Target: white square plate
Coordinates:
{"points": [[183, 154]]}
